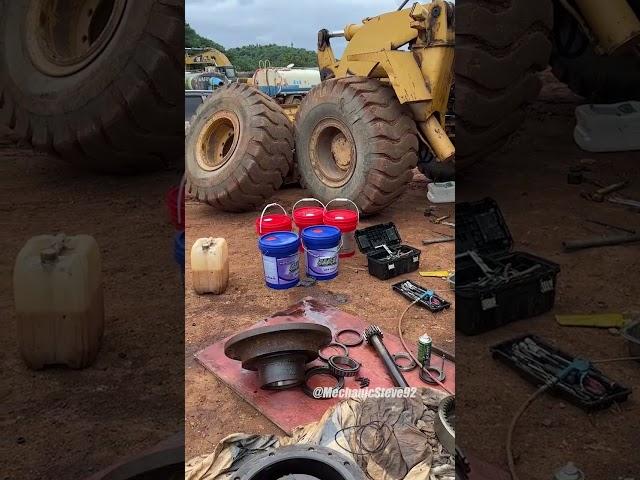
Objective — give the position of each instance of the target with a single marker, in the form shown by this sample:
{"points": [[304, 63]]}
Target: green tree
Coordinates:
{"points": [[193, 40]]}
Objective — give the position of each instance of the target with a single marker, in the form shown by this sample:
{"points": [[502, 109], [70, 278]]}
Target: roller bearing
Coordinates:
{"points": [[343, 366]]}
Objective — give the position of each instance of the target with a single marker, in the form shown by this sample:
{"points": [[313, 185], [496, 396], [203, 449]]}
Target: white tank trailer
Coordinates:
{"points": [[282, 82]]}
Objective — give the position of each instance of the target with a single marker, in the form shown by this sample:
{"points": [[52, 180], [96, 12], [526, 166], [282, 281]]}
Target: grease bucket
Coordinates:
{"points": [[280, 259], [322, 246], [347, 221], [305, 217], [274, 222]]}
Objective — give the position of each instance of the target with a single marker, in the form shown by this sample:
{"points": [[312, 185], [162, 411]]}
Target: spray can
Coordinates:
{"points": [[569, 472], [424, 350]]}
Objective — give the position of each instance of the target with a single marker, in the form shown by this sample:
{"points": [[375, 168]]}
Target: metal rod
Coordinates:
{"points": [[403, 4], [573, 245], [608, 225], [430, 241], [373, 335]]}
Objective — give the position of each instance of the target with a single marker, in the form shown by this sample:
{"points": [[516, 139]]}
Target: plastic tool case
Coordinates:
{"points": [[386, 256], [614, 392], [495, 286]]}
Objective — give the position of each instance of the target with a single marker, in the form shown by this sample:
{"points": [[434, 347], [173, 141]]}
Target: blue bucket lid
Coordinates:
{"points": [[321, 236], [279, 242]]}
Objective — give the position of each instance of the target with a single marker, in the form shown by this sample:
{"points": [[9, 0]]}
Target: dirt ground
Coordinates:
{"points": [[212, 409], [528, 179], [61, 423]]}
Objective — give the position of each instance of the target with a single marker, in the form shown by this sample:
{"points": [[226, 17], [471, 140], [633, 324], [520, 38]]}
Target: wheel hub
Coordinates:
{"points": [[65, 36], [218, 140], [333, 152]]}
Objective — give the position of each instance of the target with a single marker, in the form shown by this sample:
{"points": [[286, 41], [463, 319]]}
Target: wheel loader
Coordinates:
{"points": [[357, 135], [501, 45]]}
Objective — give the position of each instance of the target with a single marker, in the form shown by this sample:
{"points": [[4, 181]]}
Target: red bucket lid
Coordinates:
{"points": [[276, 222], [344, 219], [308, 215]]}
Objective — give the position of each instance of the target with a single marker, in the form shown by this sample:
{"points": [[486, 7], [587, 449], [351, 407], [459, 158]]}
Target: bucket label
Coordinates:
{"points": [[280, 271], [322, 262]]}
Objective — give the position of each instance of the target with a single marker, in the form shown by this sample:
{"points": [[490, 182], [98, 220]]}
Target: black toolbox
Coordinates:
{"points": [[613, 391], [519, 285], [387, 257]]}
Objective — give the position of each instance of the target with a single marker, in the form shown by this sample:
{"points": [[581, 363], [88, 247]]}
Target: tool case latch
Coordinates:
{"points": [[488, 303], [546, 285]]}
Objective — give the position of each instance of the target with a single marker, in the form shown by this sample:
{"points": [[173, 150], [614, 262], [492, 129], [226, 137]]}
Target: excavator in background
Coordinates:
{"points": [[209, 60], [356, 135]]}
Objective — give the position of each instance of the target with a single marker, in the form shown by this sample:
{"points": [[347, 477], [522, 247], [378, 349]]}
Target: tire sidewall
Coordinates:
{"points": [[43, 94], [333, 108], [221, 100]]}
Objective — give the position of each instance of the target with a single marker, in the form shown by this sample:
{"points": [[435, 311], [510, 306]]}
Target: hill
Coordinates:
{"points": [[246, 58]]}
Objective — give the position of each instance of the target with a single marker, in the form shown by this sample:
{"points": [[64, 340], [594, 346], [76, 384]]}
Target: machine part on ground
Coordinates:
{"points": [[444, 423], [600, 194], [573, 245], [405, 356], [496, 70], [355, 140], [300, 462], [343, 366], [278, 352], [99, 86], [325, 358], [431, 374], [349, 331], [321, 370], [373, 335], [238, 150]]}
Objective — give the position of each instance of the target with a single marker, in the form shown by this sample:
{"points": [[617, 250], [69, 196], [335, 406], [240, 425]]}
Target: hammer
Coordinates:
{"points": [[601, 193]]}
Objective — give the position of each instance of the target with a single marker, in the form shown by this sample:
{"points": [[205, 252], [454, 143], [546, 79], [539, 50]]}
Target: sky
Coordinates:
{"points": [[234, 23]]}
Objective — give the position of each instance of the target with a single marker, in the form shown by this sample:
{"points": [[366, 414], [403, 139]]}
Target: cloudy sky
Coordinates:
{"points": [[234, 23]]}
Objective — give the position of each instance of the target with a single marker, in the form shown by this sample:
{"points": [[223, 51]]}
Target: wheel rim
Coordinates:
{"points": [[333, 152], [65, 36], [218, 140]]}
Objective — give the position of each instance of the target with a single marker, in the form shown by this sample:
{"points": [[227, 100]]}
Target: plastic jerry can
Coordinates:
{"points": [[57, 284], [210, 265]]}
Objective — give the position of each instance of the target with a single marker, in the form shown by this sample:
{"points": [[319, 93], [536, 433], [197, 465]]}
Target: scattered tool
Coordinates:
{"points": [[598, 320], [436, 274], [431, 241], [600, 194], [613, 227], [438, 220], [573, 245], [624, 201], [425, 297], [373, 336]]}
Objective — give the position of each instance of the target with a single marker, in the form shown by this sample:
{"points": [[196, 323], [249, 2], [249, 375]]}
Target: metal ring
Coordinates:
{"points": [[343, 366], [320, 370], [427, 379], [332, 344], [349, 330], [406, 356]]}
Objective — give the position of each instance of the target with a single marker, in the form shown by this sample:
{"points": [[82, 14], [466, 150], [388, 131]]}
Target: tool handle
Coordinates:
{"points": [[345, 200], [263, 212], [306, 199]]}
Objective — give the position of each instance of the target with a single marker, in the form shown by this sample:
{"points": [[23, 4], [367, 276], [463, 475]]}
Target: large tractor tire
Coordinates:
{"points": [[238, 150], [500, 47], [98, 82], [598, 78], [355, 140]]}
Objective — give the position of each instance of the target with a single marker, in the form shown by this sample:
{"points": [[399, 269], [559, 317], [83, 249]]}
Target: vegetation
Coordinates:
{"points": [[247, 58]]}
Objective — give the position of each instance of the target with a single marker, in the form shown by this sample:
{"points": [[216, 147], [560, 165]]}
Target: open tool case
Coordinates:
{"points": [[521, 285], [384, 263], [614, 392]]}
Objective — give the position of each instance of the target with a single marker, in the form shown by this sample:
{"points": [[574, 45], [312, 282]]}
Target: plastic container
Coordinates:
{"points": [[387, 257], [631, 334], [615, 392], [481, 228], [274, 222], [210, 265], [322, 246], [57, 284], [304, 217], [175, 206], [347, 221], [280, 259], [444, 192], [608, 128], [178, 252]]}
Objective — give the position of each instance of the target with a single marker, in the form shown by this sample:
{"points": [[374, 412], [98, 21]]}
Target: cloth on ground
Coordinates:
{"points": [[389, 438]]}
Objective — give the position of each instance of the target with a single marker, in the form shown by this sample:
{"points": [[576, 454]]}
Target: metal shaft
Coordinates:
{"points": [[398, 379], [573, 245]]}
